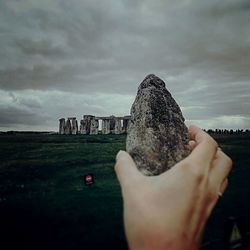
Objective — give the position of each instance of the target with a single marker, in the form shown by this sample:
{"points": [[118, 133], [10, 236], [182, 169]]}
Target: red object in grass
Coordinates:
{"points": [[88, 179]]}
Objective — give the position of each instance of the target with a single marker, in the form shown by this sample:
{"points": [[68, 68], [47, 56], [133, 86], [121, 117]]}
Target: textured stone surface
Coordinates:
{"points": [[157, 136]]}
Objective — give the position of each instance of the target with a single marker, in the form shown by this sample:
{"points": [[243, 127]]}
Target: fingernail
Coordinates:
{"points": [[119, 154], [192, 126]]}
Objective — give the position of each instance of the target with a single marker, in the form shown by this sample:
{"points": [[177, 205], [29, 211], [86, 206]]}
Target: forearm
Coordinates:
{"points": [[164, 244], [163, 240]]}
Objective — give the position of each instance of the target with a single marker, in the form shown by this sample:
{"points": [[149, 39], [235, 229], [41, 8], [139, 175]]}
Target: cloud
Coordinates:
{"points": [[40, 47], [91, 49], [223, 122], [44, 108]]}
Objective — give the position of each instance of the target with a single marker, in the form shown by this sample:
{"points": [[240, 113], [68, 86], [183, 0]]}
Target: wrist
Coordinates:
{"points": [[163, 243]]}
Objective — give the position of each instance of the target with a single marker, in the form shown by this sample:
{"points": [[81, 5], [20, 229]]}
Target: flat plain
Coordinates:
{"points": [[44, 203]]}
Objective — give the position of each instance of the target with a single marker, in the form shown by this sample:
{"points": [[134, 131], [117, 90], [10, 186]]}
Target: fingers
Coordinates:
{"points": [[126, 170], [192, 144], [205, 148], [221, 167]]}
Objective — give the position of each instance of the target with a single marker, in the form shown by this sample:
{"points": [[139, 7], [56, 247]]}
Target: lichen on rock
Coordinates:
{"points": [[157, 136]]}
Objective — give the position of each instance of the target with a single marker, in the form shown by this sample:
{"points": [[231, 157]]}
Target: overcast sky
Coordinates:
{"points": [[61, 58]]}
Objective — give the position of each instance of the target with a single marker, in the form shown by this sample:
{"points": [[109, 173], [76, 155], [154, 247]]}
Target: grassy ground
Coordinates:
{"points": [[44, 203]]}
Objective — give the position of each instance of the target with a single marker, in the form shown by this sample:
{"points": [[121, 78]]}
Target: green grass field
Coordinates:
{"points": [[44, 203]]}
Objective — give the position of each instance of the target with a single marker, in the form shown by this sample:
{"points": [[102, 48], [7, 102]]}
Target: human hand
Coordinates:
{"points": [[169, 211]]}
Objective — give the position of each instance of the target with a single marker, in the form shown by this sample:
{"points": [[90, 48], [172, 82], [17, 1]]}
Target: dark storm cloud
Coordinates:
{"points": [[200, 48], [13, 115], [20, 110], [40, 47]]}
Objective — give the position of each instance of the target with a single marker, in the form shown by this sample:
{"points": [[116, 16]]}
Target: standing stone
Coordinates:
{"points": [[83, 125], [68, 129], [125, 124], [118, 126], [105, 126], [87, 121], [157, 136], [62, 126], [74, 126], [112, 124], [94, 124]]}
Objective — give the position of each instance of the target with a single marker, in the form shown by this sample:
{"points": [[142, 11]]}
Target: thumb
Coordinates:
{"points": [[126, 170]]}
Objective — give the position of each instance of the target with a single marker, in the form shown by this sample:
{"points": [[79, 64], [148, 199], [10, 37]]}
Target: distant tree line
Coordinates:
{"points": [[228, 131]]}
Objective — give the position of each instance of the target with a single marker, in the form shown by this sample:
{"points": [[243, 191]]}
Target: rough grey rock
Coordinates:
{"points": [[157, 136]]}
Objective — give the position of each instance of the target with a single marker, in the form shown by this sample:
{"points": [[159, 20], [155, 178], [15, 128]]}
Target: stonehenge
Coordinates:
{"points": [[89, 125]]}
